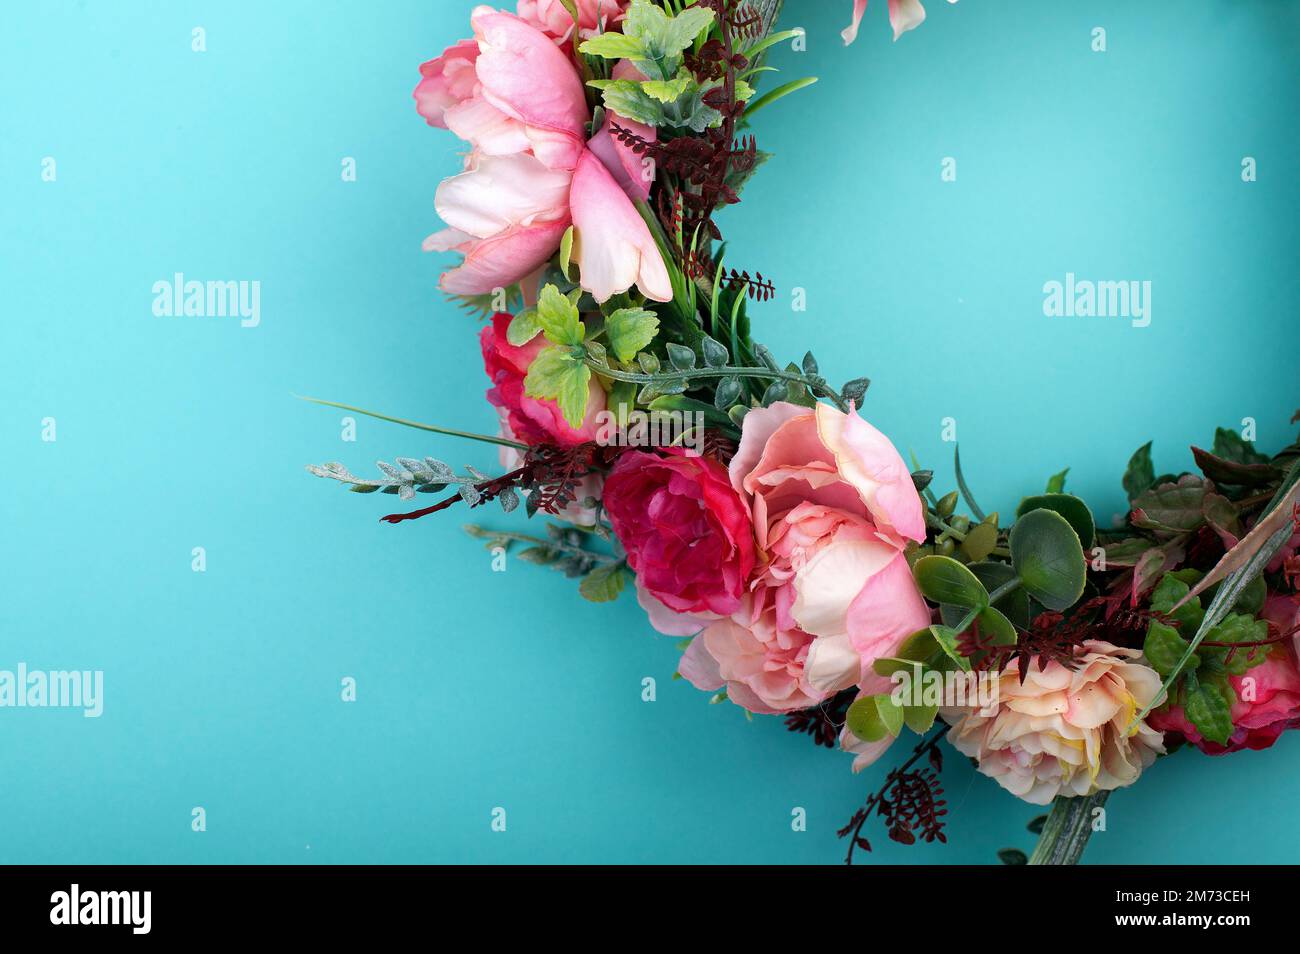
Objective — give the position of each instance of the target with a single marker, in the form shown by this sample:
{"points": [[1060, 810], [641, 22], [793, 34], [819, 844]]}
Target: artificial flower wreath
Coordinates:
{"points": [[811, 572]]}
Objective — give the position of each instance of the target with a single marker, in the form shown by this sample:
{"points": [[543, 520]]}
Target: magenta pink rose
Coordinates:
{"points": [[1268, 694], [528, 419], [833, 506], [686, 531]]}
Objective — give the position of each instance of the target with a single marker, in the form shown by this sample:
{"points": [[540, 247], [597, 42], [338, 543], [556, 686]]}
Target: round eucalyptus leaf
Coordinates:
{"points": [[1048, 558]]}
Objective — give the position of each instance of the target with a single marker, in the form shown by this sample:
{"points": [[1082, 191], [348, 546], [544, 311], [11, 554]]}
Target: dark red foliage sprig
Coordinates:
{"points": [[757, 287], [1053, 637], [550, 474], [909, 802], [823, 721]]}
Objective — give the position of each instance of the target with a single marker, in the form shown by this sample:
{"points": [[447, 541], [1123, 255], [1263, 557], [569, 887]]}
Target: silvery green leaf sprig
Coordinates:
{"points": [[410, 476]]}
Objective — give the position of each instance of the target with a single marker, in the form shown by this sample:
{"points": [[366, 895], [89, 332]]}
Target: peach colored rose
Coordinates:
{"points": [[1064, 731]]}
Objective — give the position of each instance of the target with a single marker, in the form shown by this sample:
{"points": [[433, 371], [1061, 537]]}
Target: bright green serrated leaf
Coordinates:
{"points": [[629, 330]]}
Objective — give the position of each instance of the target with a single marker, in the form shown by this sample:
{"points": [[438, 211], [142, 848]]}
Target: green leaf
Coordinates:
{"points": [[994, 624], [863, 719], [944, 580], [854, 391], [728, 393], [1229, 445], [629, 100], [1012, 856], [980, 542], [556, 375], [566, 251], [614, 46], [1208, 708], [715, 352], [681, 357], [603, 583], [1056, 483], [771, 96], [961, 484], [1221, 470], [891, 714], [1070, 507], [629, 330], [1166, 595], [1048, 558], [523, 328], [648, 362], [1140, 473], [669, 91], [558, 317], [1163, 647], [946, 639], [1015, 604], [1172, 508], [920, 718]]}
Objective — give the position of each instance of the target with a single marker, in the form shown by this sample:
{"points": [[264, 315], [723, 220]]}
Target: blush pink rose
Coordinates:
{"points": [[531, 420], [1268, 694], [686, 531], [833, 507], [760, 660]]}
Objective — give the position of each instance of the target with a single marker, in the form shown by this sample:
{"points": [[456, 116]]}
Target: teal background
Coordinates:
{"points": [[480, 689]]}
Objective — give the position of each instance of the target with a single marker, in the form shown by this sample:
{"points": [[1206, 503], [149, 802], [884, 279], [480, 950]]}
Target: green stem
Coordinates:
{"points": [[634, 377], [483, 533], [468, 435], [1067, 829]]}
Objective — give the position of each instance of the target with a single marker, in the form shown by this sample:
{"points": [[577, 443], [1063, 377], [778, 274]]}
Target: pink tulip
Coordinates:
{"points": [[613, 246], [507, 215], [528, 86], [553, 19], [516, 97], [448, 80]]}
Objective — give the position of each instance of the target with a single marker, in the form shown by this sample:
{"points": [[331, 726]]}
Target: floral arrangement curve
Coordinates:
{"points": [[756, 513]]}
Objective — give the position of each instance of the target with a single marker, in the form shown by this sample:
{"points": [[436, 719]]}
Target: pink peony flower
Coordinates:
{"points": [[762, 663], [531, 420], [1063, 731], [904, 15], [518, 100], [833, 506], [1268, 694], [687, 533]]}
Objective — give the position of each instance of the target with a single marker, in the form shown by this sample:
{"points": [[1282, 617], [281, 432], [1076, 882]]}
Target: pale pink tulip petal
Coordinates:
{"points": [[635, 174], [499, 261], [850, 32], [905, 15], [613, 246], [501, 192], [492, 132]]}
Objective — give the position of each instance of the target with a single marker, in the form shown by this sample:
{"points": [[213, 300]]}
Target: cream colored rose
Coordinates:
{"points": [[1064, 731]]}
